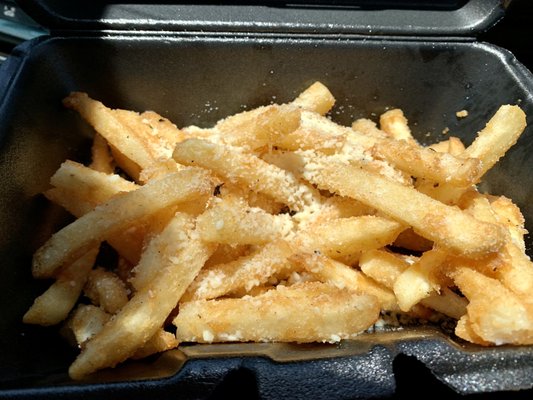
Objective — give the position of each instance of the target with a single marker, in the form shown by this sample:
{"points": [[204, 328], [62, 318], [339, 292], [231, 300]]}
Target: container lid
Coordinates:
{"points": [[358, 17]]}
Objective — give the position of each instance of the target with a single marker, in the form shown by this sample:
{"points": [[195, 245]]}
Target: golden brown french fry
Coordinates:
{"points": [[422, 162], [319, 133], [231, 221], [382, 266], [153, 256], [146, 311], [419, 280], [116, 214], [368, 127], [80, 189], [309, 312], [161, 341], [128, 243], [446, 302], [499, 135], [258, 175], [395, 124], [338, 274], [496, 314], [464, 330], [87, 183], [225, 253], [342, 237], [85, 322], [54, 305], [409, 240], [513, 266], [101, 159], [106, 123], [258, 128], [105, 289], [509, 214], [447, 226], [456, 146], [244, 273], [317, 98], [386, 267]]}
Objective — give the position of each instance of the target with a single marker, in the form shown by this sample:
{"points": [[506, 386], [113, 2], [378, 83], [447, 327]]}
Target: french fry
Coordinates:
{"points": [[446, 302], [408, 239], [386, 268], [168, 242], [342, 237], [321, 134], [80, 189], [101, 159], [231, 221], [395, 124], [114, 215], [425, 163], [89, 184], [310, 312], [161, 341], [144, 314], [456, 146], [241, 274], [342, 276], [368, 127], [419, 280], [258, 128], [87, 320], [54, 305], [447, 226], [225, 253], [254, 199], [316, 98], [382, 266], [513, 267], [496, 314], [499, 135], [509, 214], [443, 192], [105, 289], [106, 123], [233, 164], [464, 330]]}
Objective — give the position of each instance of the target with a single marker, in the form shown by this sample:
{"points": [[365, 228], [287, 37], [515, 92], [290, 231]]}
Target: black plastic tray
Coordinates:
{"points": [[178, 74]]}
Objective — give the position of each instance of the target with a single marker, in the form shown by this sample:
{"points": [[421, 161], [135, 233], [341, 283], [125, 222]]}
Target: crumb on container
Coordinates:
{"points": [[462, 114]]}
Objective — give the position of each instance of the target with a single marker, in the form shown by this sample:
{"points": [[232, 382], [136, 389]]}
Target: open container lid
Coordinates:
{"points": [[356, 17]]}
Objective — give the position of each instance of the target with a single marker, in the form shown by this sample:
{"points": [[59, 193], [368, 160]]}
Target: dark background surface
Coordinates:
{"points": [[514, 32]]}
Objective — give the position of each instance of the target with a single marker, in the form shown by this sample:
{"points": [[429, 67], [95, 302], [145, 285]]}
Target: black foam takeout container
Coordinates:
{"points": [[195, 64]]}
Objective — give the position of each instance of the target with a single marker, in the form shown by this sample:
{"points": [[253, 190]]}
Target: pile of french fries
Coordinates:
{"points": [[278, 224]]}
